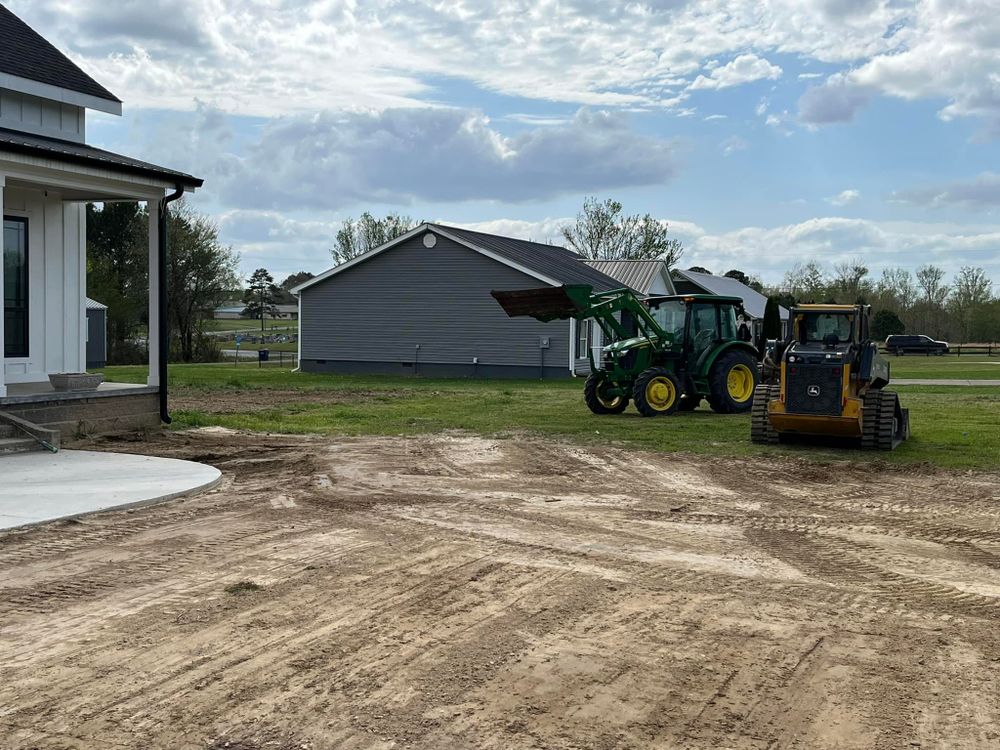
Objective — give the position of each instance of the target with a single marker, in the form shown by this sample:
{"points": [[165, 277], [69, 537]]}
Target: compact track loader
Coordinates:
{"points": [[828, 379], [664, 353]]}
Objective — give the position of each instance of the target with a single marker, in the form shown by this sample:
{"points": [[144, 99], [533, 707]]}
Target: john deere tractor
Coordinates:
{"points": [[828, 379], [665, 353]]}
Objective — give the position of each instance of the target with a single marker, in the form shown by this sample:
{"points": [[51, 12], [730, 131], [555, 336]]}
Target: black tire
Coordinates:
{"points": [[761, 429], [596, 402], [725, 398], [657, 392], [688, 403], [878, 420]]}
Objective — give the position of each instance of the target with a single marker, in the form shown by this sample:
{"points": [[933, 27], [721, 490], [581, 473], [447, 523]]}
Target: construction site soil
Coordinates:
{"points": [[451, 591]]}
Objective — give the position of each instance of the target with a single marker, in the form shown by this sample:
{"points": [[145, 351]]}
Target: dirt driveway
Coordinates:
{"points": [[456, 592]]}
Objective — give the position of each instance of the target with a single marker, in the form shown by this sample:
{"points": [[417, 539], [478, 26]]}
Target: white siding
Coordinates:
{"points": [[32, 114], [56, 283]]}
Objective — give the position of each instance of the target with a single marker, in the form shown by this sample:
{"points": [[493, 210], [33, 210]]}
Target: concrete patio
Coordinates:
{"points": [[39, 487]]}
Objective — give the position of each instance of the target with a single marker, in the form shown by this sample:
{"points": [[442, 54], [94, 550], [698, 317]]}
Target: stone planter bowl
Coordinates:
{"points": [[75, 381]]}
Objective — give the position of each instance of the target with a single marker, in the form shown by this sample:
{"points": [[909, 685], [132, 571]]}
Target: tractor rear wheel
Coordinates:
{"points": [[597, 401], [878, 420], [656, 392], [731, 383], [761, 429]]}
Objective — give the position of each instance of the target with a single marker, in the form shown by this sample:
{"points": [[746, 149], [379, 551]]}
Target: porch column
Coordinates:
{"points": [[153, 334], [3, 366]]}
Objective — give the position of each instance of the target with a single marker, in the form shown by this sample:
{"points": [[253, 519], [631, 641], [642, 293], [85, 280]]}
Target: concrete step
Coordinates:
{"points": [[18, 445], [8, 431]]}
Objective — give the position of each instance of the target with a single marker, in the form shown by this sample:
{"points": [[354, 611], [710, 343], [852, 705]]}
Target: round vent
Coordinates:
{"points": [[430, 240]]}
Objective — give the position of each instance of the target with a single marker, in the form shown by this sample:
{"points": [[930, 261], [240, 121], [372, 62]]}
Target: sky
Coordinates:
{"points": [[765, 132]]}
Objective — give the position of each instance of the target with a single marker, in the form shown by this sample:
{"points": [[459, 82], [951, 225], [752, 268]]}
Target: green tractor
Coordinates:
{"points": [[665, 353]]}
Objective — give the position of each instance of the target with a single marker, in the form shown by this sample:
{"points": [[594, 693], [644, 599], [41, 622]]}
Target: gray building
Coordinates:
{"points": [[97, 334], [421, 304]]}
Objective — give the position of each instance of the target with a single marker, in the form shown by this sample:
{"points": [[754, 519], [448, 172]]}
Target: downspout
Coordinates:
{"points": [[163, 322]]}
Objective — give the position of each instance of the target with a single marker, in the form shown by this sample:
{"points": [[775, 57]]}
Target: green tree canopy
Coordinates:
{"points": [[886, 323]]}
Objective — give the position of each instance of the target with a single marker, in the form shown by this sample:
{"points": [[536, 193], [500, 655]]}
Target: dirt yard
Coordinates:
{"points": [[455, 592]]}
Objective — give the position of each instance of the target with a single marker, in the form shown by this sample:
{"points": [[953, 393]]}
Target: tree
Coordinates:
{"points": [[261, 296], [929, 280], [848, 285], [355, 238], [738, 275], [805, 281], [293, 280], [895, 289], [602, 232], [118, 274], [200, 271], [771, 324], [700, 269], [886, 323], [971, 291]]}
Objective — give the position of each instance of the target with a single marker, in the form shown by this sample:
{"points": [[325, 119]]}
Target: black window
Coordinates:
{"points": [[15, 287]]}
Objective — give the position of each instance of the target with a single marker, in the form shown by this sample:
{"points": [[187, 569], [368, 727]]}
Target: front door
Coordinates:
{"points": [[15, 287]]}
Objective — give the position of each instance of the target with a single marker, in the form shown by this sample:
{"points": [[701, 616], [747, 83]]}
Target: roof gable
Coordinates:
{"points": [[637, 275], [549, 264], [26, 55]]}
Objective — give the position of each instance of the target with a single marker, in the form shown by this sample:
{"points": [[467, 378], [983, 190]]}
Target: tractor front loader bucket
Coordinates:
{"points": [[547, 303]]}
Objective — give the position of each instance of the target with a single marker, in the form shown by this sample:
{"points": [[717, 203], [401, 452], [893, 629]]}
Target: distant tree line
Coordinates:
{"points": [[964, 309]]}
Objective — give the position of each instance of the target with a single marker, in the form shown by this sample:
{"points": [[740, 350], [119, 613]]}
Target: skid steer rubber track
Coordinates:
{"points": [[761, 429], [879, 421]]}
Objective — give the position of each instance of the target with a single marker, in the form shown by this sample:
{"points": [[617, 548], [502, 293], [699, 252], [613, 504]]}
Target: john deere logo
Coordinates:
{"points": [[813, 390]]}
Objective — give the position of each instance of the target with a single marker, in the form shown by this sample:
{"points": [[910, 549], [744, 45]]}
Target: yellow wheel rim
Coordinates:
{"points": [[660, 393], [739, 382]]}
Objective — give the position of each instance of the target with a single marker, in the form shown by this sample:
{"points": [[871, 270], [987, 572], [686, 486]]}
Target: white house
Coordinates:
{"points": [[47, 175]]}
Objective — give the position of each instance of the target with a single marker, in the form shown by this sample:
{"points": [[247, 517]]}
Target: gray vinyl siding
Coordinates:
{"points": [[379, 311]]}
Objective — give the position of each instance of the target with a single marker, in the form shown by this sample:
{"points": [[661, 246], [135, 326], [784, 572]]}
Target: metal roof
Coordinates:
{"points": [[753, 302], [549, 260], [93, 304], [637, 275], [80, 153], [27, 54]]}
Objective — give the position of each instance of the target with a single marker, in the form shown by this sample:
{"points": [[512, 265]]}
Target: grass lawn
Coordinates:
{"points": [[948, 367], [956, 427]]}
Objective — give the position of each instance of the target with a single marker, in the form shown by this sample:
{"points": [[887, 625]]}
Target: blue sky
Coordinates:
{"points": [[765, 134]]}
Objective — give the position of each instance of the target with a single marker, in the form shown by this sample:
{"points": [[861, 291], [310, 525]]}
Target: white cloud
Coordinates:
{"points": [[981, 192], [715, 117], [838, 99], [770, 251], [844, 198], [743, 69], [399, 156], [732, 144], [259, 56]]}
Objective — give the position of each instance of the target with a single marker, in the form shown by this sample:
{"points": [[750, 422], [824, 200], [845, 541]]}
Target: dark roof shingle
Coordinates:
{"points": [[26, 54], [79, 153], [548, 260]]}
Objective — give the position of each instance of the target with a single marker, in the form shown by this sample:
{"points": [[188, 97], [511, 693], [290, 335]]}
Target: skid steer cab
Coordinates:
{"points": [[664, 353], [830, 381]]}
